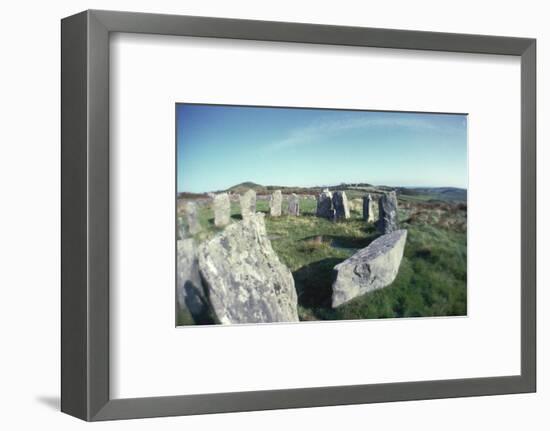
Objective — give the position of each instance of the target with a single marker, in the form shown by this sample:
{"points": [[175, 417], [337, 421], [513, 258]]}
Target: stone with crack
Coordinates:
{"points": [[387, 213], [340, 205], [248, 204], [244, 279], [275, 204], [222, 210], [371, 268]]}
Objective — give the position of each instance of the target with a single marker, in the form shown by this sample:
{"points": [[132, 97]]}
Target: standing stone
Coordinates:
{"points": [[244, 278], [181, 234], [324, 205], [387, 213], [248, 204], [340, 205], [190, 293], [368, 208], [180, 207], [371, 268], [222, 210], [192, 213], [275, 203], [293, 205]]}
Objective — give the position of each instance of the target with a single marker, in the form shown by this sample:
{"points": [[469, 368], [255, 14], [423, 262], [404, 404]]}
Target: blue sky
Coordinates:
{"points": [[219, 146]]}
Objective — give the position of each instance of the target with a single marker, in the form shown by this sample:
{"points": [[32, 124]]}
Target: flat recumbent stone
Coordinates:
{"points": [[371, 268]]}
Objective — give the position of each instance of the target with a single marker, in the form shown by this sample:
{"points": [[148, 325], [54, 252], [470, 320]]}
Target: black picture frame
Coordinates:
{"points": [[85, 214]]}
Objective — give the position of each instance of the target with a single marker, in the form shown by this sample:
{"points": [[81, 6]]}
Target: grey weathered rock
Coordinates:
{"points": [[244, 278], [181, 233], [368, 208], [180, 207], [222, 210], [189, 289], [248, 203], [387, 213], [192, 213], [293, 205], [371, 268], [324, 205], [275, 203], [340, 205]]}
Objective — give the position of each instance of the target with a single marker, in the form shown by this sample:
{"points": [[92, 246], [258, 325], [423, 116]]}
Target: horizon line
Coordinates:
{"points": [[327, 187]]}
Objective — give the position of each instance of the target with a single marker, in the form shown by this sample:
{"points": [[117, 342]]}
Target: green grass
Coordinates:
{"points": [[431, 279]]}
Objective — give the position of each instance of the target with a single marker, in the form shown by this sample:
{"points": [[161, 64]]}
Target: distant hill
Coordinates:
{"points": [[188, 195], [437, 193], [263, 190], [248, 185], [417, 193]]}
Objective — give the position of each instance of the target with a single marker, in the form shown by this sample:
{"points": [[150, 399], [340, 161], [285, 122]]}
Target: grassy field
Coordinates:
{"points": [[431, 279]]}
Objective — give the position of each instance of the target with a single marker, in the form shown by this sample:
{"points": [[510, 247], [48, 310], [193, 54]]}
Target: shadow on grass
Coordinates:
{"points": [[341, 242], [314, 283], [370, 229], [308, 213]]}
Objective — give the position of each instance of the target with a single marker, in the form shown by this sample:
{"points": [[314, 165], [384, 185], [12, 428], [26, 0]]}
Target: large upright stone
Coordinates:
{"points": [[387, 213], [293, 205], [371, 268], [275, 203], [192, 213], [222, 210], [248, 204], [340, 205], [368, 208], [190, 293], [324, 205], [181, 233], [244, 278]]}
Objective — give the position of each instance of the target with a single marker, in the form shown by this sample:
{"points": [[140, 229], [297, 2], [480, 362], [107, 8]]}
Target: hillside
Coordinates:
{"points": [[446, 194], [247, 185], [436, 193]]}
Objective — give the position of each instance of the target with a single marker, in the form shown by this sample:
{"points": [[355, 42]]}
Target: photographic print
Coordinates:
{"points": [[304, 214]]}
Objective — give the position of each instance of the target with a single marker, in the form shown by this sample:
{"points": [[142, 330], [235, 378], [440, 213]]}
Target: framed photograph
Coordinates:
{"points": [[264, 215], [312, 240]]}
